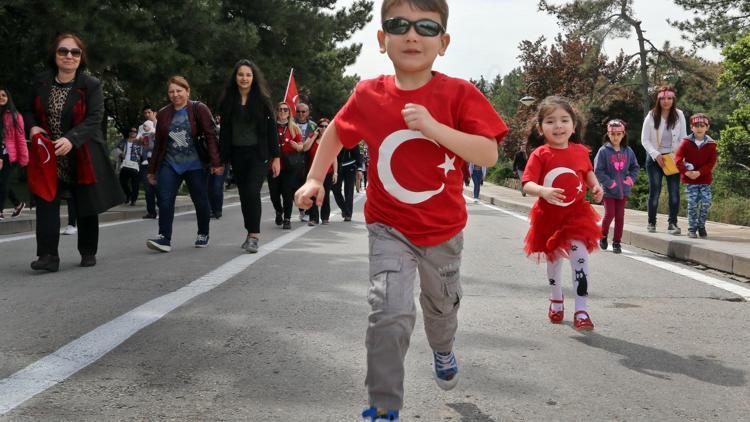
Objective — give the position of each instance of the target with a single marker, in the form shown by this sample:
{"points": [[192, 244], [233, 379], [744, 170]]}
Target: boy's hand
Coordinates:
{"points": [[417, 117], [694, 174], [311, 188], [597, 193], [552, 195]]}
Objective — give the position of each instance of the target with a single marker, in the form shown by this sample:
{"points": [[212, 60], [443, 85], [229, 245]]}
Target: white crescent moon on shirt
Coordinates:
{"points": [[387, 148], [550, 178]]}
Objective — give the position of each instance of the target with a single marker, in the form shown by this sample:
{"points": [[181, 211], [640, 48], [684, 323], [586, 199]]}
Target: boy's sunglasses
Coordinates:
{"points": [[75, 52], [424, 27]]}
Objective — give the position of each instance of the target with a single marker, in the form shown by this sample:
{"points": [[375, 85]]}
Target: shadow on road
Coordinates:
{"points": [[470, 412], [658, 363]]}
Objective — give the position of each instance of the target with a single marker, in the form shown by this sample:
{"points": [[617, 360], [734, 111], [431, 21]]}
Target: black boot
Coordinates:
{"points": [[603, 243], [88, 260], [46, 263], [279, 218]]}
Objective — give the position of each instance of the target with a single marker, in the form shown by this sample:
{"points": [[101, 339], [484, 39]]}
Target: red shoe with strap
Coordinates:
{"points": [[583, 324], [555, 317]]}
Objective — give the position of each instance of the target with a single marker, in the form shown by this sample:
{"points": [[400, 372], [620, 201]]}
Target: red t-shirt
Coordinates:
{"points": [[560, 168], [312, 151], [415, 184], [285, 140]]}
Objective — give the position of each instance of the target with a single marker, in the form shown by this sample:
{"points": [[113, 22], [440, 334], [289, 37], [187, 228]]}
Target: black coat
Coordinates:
{"points": [[87, 92], [268, 145]]}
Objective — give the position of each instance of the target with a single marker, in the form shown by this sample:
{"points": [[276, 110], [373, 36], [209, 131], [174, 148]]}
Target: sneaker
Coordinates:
{"points": [[651, 228], [702, 232], [555, 317], [324, 222], [302, 215], [69, 230], [88, 260], [201, 241], [673, 229], [692, 234], [160, 243], [17, 210], [446, 370], [347, 218], [476, 200], [46, 263], [149, 217], [616, 248], [603, 243], [371, 415], [312, 223], [287, 225], [251, 244], [583, 324], [279, 218]]}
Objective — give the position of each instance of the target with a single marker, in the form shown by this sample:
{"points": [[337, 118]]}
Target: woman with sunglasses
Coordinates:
{"points": [[289, 140], [68, 109], [322, 215], [248, 141], [185, 149], [663, 130], [13, 150]]}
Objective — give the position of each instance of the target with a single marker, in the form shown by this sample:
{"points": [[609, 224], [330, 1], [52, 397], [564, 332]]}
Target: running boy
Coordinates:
{"points": [[420, 126], [696, 158]]}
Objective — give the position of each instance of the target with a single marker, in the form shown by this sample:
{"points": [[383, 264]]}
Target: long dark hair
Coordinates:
{"points": [[656, 111], [13, 112], [258, 99]]}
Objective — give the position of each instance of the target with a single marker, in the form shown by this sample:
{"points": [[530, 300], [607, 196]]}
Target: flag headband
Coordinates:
{"points": [[699, 119], [667, 93], [614, 126]]}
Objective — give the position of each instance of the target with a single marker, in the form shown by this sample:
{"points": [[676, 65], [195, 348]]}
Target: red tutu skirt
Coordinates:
{"points": [[553, 229]]}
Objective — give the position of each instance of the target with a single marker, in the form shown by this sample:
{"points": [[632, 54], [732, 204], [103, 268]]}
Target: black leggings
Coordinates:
{"points": [[249, 172]]}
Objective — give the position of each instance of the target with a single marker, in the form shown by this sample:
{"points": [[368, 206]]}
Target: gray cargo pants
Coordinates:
{"points": [[394, 261]]}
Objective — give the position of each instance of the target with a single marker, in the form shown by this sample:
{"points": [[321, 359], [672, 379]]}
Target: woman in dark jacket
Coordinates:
{"points": [[185, 149], [248, 141], [68, 111]]}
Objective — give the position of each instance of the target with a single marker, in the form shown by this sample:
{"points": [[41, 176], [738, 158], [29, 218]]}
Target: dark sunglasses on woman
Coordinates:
{"points": [[75, 52], [424, 27]]}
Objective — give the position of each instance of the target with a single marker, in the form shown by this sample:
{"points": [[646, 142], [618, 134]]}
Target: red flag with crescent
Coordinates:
{"points": [[42, 171], [292, 97]]}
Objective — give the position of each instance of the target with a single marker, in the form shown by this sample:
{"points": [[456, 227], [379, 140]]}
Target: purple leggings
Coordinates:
{"points": [[614, 208]]}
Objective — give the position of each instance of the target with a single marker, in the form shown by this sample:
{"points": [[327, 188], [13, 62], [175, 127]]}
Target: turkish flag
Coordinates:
{"points": [[292, 97], [42, 170]]}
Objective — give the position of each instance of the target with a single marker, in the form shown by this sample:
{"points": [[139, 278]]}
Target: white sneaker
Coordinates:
{"points": [[476, 201], [69, 230]]}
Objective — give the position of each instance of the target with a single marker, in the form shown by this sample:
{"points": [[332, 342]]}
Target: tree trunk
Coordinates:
{"points": [[645, 100]]}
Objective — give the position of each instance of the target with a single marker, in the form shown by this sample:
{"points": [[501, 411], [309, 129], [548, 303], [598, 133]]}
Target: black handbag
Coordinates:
{"points": [[294, 161]]}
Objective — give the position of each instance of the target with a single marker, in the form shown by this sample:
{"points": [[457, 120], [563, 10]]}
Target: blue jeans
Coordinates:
{"points": [[477, 177], [698, 203], [168, 183], [216, 192], [149, 190], [655, 175]]}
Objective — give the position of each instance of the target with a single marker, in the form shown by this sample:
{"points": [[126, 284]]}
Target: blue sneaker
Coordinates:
{"points": [[160, 243], [201, 241], [446, 370], [371, 415]]}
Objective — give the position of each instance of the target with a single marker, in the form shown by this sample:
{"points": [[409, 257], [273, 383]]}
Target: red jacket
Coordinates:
{"points": [[15, 141], [703, 160]]}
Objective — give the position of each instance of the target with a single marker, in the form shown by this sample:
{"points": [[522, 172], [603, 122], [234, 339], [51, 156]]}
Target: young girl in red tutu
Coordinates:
{"points": [[563, 223]]}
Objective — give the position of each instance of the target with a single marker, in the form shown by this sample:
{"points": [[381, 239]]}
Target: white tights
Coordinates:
{"points": [[579, 264]]}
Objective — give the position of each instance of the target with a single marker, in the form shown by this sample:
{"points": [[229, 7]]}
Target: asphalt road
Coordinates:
{"points": [[214, 334]]}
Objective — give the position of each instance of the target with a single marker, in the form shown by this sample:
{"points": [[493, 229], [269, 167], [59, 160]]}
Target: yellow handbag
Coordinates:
{"points": [[670, 167]]}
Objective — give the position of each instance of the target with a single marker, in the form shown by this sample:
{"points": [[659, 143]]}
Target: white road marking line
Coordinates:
{"points": [[87, 349], [743, 292]]}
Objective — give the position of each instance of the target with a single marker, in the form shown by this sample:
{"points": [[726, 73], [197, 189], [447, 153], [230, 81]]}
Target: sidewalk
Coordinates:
{"points": [[26, 222], [727, 247]]}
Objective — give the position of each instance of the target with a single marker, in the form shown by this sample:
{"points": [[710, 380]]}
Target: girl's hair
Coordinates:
{"points": [[550, 104], [52, 54], [656, 111], [535, 139], [13, 113], [258, 99], [293, 128], [179, 81]]}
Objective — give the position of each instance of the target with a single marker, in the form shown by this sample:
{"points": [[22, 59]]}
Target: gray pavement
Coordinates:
{"points": [[727, 247]]}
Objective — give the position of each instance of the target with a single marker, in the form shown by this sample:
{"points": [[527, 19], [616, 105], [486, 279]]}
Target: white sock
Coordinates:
{"points": [[554, 274], [579, 265]]}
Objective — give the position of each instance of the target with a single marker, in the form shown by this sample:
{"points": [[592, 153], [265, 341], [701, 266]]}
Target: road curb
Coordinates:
{"points": [[676, 247]]}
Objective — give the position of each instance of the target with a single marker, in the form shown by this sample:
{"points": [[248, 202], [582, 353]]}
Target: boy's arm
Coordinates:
{"points": [[709, 166], [328, 149], [473, 148]]}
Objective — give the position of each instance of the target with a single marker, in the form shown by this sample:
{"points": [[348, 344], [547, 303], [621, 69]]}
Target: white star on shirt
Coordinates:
{"points": [[580, 187], [448, 164]]}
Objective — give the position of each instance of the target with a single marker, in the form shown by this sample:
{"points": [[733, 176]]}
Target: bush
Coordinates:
{"points": [[503, 169]]}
